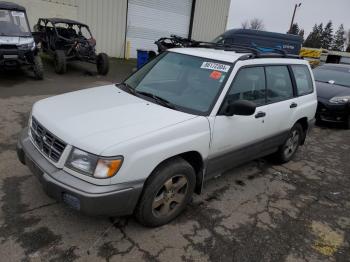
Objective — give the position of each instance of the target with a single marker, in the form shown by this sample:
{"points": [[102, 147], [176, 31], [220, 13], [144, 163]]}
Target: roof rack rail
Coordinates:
{"points": [[173, 41]]}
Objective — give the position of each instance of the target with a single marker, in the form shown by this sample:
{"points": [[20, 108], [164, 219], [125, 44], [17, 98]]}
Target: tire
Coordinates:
{"points": [[38, 68], [60, 62], [102, 64], [287, 151], [166, 193]]}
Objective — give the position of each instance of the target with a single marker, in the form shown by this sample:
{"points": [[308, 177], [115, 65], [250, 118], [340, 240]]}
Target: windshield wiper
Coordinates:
{"points": [[127, 87], [158, 99]]}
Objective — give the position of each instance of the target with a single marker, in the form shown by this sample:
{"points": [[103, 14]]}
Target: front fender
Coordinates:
{"points": [[143, 154]]}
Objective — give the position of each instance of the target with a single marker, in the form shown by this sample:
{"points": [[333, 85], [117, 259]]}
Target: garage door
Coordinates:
{"points": [[148, 20]]}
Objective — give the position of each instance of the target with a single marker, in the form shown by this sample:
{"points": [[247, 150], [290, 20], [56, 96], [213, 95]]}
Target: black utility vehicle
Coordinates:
{"points": [[67, 40], [17, 46]]}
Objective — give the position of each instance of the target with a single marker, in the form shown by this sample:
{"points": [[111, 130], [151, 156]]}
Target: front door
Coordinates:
{"points": [[237, 139]]}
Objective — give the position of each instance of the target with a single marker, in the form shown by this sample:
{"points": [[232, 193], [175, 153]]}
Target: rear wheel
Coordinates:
{"points": [[166, 193], [291, 145], [60, 62], [38, 68], [102, 64]]}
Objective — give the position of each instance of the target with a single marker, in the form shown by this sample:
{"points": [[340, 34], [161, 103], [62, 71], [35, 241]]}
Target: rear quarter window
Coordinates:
{"points": [[303, 79]]}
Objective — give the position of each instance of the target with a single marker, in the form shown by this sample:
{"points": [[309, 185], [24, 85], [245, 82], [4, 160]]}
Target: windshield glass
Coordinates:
{"points": [[189, 83], [13, 23], [340, 76]]}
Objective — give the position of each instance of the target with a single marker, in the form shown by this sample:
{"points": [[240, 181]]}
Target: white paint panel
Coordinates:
{"points": [[150, 20]]}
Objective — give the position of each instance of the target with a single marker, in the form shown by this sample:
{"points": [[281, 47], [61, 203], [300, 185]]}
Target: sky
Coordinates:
{"points": [[277, 14]]}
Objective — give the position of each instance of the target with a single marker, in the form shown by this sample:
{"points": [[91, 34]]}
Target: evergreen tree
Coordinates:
{"points": [[294, 30], [327, 36], [339, 39], [301, 33], [348, 48], [314, 38]]}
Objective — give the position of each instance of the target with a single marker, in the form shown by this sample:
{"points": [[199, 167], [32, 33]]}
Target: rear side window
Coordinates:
{"points": [[249, 84], [279, 84], [303, 79]]}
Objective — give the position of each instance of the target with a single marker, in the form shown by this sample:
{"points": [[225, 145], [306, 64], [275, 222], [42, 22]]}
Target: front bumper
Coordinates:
{"points": [[15, 57], [332, 112], [109, 200]]}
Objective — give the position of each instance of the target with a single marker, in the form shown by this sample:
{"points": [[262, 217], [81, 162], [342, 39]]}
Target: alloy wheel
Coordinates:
{"points": [[170, 196], [292, 144]]}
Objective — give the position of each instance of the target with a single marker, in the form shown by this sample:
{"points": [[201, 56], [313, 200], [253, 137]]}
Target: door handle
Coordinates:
{"points": [[293, 105], [260, 114]]}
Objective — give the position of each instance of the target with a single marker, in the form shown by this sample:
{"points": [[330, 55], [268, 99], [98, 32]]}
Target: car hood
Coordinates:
{"points": [[15, 40], [94, 119], [327, 91]]}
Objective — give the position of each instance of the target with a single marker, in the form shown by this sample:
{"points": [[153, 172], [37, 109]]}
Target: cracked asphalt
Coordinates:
{"points": [[299, 211]]}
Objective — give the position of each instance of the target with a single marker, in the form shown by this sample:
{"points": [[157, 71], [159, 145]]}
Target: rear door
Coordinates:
{"points": [[282, 104]]}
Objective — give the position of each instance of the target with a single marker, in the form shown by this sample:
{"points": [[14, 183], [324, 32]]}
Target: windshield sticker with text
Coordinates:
{"points": [[16, 13], [215, 66]]}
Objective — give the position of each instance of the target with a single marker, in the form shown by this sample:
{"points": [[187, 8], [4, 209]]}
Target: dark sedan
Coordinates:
{"points": [[333, 92]]}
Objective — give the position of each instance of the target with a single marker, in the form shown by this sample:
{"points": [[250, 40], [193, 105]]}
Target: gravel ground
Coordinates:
{"points": [[299, 211]]}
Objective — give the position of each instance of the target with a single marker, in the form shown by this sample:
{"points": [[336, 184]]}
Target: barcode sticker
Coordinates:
{"points": [[215, 66]]}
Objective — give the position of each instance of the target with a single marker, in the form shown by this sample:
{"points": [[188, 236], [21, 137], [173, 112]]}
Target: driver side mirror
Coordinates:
{"points": [[240, 107]]}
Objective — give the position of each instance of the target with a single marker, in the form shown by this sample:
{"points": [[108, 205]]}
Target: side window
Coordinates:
{"points": [[249, 84], [279, 84], [303, 79]]}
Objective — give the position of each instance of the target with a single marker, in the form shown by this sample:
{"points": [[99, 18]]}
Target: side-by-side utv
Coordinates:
{"points": [[68, 40], [17, 46]]}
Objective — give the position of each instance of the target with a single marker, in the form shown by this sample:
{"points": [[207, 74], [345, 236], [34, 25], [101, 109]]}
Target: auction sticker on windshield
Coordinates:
{"points": [[215, 66], [19, 14]]}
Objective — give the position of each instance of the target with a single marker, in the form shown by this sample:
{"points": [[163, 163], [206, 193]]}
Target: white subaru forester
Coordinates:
{"points": [[146, 145]]}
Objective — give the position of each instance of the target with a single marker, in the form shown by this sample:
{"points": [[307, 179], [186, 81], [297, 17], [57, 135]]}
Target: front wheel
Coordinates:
{"points": [[166, 193], [102, 64], [38, 68], [291, 145]]}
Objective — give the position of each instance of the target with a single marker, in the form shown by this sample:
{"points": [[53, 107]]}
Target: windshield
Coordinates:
{"points": [[338, 75], [189, 83], [13, 23]]}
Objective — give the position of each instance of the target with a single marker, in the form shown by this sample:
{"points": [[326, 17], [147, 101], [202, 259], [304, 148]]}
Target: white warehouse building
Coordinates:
{"points": [[114, 23]]}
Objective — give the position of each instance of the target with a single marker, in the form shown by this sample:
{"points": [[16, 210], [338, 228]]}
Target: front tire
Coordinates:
{"points": [[60, 62], [38, 68], [287, 151], [102, 64], [166, 193]]}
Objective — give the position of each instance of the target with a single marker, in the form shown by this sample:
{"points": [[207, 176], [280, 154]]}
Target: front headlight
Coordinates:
{"points": [[30, 46], [92, 165], [340, 99]]}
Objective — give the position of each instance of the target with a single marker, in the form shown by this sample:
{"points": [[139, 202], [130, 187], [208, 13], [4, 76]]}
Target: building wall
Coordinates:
{"points": [[210, 19], [107, 21]]}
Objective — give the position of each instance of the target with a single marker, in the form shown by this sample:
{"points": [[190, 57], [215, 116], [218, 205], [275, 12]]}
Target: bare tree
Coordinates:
{"points": [[256, 24], [245, 25]]}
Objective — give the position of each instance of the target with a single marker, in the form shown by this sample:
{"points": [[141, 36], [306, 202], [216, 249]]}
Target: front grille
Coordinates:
{"points": [[9, 47], [50, 145]]}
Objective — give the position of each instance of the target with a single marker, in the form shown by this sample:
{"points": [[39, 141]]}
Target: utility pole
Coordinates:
{"points": [[295, 9]]}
